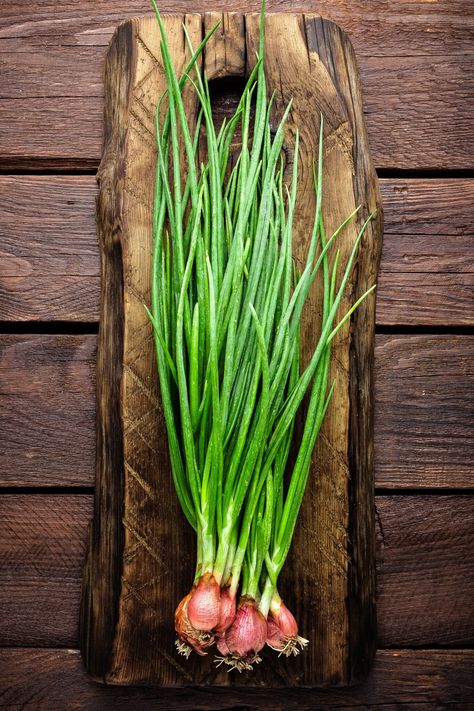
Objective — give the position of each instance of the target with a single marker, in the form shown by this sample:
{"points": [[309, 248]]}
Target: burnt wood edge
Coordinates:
{"points": [[361, 603], [102, 572], [362, 533]]}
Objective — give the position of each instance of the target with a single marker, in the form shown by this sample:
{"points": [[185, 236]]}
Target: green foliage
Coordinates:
{"points": [[226, 312]]}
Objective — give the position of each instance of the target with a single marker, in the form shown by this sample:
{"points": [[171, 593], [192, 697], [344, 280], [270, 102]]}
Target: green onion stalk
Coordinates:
{"points": [[226, 308]]}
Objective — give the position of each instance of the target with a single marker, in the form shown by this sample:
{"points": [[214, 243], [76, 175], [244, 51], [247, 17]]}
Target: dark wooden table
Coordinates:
{"points": [[416, 60]]}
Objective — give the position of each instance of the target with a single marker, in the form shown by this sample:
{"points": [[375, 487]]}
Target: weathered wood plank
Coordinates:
{"points": [[408, 133], [42, 546], [435, 206], [49, 266], [418, 299], [424, 411], [47, 409], [43, 680], [425, 569], [50, 258], [434, 535], [428, 243], [416, 77], [423, 405], [387, 28], [434, 92], [48, 227], [67, 131], [44, 299]]}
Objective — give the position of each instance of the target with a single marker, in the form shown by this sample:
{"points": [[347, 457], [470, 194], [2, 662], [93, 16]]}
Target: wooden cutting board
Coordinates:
{"points": [[141, 551]]}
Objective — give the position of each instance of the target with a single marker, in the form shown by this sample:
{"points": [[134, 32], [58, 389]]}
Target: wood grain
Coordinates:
{"points": [[424, 411], [133, 644], [406, 134], [41, 680], [423, 406], [354, 351], [49, 266], [422, 53], [42, 544], [438, 535], [438, 206], [47, 403], [393, 28], [446, 300], [425, 569], [106, 535], [425, 273]]}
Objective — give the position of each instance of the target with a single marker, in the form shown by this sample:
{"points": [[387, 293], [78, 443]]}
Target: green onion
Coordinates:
{"points": [[226, 309]]}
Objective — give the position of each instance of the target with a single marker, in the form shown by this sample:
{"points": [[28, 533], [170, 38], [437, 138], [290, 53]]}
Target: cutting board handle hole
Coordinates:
{"points": [[225, 96]]}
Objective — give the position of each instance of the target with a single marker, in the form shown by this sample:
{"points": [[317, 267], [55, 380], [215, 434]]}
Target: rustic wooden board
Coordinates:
{"points": [[424, 407], [425, 569], [415, 61], [37, 679], [132, 582], [47, 273]]}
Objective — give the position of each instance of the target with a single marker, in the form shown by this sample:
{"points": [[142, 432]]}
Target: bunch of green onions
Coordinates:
{"points": [[226, 310]]}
